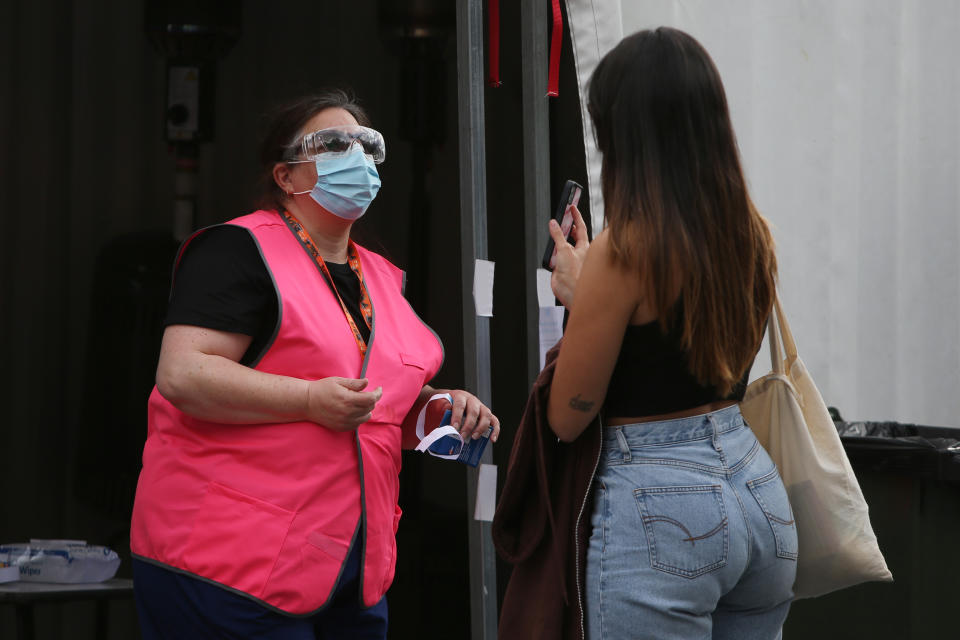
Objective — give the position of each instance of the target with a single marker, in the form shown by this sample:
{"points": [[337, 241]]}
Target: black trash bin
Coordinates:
{"points": [[910, 476]]}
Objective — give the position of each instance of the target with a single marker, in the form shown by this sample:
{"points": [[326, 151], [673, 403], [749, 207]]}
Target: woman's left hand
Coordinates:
{"points": [[471, 417]]}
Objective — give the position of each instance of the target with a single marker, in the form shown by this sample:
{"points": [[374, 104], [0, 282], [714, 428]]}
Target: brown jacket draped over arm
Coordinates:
{"points": [[542, 522]]}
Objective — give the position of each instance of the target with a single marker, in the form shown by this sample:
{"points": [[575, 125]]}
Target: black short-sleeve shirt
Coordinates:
{"points": [[222, 283]]}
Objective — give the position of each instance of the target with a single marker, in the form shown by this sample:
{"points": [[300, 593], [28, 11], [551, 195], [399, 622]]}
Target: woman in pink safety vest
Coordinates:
{"points": [[291, 373]]}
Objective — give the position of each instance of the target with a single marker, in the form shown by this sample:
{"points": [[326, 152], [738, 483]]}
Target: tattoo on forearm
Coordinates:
{"points": [[580, 405]]}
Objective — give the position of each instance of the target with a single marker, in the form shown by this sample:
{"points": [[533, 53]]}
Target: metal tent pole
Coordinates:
{"points": [[536, 165], [476, 329]]}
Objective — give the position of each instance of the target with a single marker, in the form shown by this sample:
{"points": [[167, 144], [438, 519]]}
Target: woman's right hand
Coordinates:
{"points": [[340, 404], [569, 258]]}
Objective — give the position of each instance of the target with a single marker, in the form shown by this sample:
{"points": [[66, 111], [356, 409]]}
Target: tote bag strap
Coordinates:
{"points": [[773, 338], [788, 343]]}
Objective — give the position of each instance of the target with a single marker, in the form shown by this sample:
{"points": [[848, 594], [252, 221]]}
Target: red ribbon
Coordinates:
{"points": [[493, 46], [493, 35], [556, 40]]}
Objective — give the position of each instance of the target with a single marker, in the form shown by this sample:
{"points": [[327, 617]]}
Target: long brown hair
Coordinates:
{"points": [[676, 200]]}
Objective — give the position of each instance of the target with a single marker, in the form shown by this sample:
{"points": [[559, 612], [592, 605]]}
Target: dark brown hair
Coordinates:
{"points": [[284, 123], [676, 200]]}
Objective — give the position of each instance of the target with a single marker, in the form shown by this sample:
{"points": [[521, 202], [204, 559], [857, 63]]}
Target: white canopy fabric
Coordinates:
{"points": [[595, 28], [846, 114]]}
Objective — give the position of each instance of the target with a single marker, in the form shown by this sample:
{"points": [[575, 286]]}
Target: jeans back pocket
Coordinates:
{"points": [[686, 528], [772, 498]]}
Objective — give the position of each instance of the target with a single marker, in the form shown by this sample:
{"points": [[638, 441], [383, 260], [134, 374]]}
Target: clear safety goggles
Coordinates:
{"points": [[338, 140]]}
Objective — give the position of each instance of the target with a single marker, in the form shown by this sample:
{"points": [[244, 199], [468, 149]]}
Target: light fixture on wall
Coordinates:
{"points": [[191, 35]]}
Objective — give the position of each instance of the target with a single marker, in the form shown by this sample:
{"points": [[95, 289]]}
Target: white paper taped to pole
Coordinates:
{"points": [[551, 316], [551, 330], [483, 287], [545, 297], [486, 493]]}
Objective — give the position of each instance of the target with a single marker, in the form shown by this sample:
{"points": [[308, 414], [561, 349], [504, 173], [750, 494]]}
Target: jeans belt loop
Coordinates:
{"points": [[715, 436], [622, 441]]}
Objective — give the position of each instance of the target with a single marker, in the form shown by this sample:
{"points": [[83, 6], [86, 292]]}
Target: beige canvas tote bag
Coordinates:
{"points": [[837, 546]]}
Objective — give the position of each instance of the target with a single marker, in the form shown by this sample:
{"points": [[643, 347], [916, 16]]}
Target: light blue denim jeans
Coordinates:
{"points": [[692, 534]]}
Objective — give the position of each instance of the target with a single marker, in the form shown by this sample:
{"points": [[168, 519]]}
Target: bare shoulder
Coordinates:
{"points": [[601, 242], [626, 280], [601, 255]]}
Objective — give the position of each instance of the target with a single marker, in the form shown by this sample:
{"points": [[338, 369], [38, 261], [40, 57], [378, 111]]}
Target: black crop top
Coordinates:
{"points": [[222, 283], [651, 376]]}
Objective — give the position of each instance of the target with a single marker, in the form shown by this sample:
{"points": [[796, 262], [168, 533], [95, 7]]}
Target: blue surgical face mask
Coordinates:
{"points": [[347, 182]]}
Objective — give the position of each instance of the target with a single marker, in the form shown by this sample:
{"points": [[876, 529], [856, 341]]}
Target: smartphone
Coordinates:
{"points": [[569, 197]]}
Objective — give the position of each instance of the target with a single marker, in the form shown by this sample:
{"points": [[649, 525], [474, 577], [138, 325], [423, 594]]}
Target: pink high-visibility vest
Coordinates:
{"points": [[270, 510]]}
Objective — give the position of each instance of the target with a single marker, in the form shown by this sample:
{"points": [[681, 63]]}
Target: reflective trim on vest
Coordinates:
{"points": [[270, 509]]}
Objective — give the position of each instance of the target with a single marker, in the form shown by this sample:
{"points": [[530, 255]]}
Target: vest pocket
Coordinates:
{"points": [[402, 376], [321, 560], [412, 361], [685, 527], [770, 494], [236, 539], [331, 547]]}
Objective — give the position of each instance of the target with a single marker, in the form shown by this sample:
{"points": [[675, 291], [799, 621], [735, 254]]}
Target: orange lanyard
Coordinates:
{"points": [[353, 259]]}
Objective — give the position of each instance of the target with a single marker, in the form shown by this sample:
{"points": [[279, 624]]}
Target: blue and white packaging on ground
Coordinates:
{"points": [[63, 561], [8, 573]]}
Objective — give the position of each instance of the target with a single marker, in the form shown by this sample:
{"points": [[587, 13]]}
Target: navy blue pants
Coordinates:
{"points": [[172, 605]]}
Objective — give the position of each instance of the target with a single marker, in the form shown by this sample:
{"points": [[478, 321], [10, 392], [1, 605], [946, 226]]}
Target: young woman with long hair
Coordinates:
{"points": [[692, 534]]}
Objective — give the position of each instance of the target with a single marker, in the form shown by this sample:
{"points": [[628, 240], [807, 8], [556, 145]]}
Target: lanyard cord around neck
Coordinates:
{"points": [[353, 259]]}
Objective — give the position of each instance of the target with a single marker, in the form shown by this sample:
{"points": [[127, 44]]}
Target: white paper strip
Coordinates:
{"points": [[435, 435], [545, 297], [423, 411], [486, 493], [551, 329], [483, 287]]}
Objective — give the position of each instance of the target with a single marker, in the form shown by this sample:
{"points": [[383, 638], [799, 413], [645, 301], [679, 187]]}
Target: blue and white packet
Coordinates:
{"points": [[62, 561], [445, 442]]}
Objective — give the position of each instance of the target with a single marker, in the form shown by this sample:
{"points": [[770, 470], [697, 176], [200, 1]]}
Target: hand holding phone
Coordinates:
{"points": [[569, 197], [567, 259]]}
